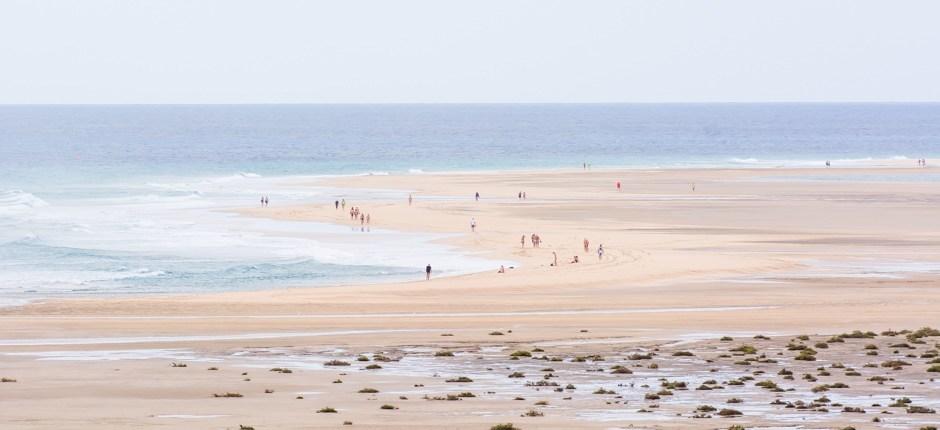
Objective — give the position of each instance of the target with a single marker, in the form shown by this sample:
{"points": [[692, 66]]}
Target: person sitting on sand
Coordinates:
{"points": [[575, 260], [427, 272], [473, 224], [502, 269]]}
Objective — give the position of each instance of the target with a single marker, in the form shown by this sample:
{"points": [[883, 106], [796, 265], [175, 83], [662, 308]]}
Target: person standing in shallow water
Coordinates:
{"points": [[427, 272]]}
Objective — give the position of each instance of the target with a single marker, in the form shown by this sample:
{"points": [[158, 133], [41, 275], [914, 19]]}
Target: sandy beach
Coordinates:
{"points": [[690, 256]]}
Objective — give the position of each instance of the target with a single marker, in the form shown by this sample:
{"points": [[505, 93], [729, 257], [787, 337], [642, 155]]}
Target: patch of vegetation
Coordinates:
{"points": [[175, 364], [745, 349], [326, 410], [443, 354], [506, 426], [521, 354], [373, 367], [459, 379], [517, 375], [388, 407], [683, 354], [336, 363], [226, 395], [729, 413], [533, 413], [368, 391]]}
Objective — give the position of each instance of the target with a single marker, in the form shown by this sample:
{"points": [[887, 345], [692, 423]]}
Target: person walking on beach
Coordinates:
{"points": [[477, 196], [368, 219], [520, 195], [522, 241], [473, 224], [343, 203], [262, 201], [427, 272], [586, 245], [554, 259], [524, 196], [410, 198], [600, 251], [618, 185], [337, 204]]}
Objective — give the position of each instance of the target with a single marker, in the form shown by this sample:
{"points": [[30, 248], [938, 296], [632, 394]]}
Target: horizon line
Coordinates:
{"points": [[815, 102]]}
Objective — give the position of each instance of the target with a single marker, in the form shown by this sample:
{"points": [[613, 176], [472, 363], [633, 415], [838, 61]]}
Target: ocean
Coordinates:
{"points": [[110, 200]]}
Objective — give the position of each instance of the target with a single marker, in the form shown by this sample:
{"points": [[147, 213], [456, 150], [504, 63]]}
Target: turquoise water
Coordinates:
{"points": [[132, 199]]}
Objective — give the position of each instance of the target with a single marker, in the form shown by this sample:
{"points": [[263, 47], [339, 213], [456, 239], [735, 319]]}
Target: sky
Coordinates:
{"points": [[480, 51]]}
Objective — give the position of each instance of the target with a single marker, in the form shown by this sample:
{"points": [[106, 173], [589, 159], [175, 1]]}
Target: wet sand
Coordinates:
{"points": [[746, 252]]}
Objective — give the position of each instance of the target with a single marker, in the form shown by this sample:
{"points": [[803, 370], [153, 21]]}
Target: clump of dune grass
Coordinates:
{"points": [[466, 394], [373, 367], [443, 354], [745, 349], [462, 379], [521, 354], [362, 358], [854, 410], [858, 334], [934, 369], [268, 391], [368, 391], [506, 426], [726, 339], [706, 408], [734, 400], [807, 354], [447, 334], [337, 381], [533, 413], [7, 380], [175, 364], [895, 364], [281, 370], [604, 391], [347, 423], [213, 368], [327, 410], [738, 427], [621, 370], [517, 375], [768, 385], [388, 407], [244, 427], [683, 354], [729, 413], [496, 333], [336, 363], [226, 395], [651, 396], [639, 356], [922, 333]]}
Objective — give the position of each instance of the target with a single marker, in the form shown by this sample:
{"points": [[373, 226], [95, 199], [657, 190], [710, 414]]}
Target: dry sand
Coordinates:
{"points": [[747, 252]]}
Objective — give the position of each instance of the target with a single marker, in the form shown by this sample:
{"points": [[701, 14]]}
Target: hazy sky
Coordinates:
{"points": [[236, 51]]}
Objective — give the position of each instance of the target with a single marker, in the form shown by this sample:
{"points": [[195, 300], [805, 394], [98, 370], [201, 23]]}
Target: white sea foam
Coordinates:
{"points": [[18, 201], [185, 223]]}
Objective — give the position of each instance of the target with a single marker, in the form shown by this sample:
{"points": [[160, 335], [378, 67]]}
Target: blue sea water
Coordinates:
{"points": [[131, 199]]}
